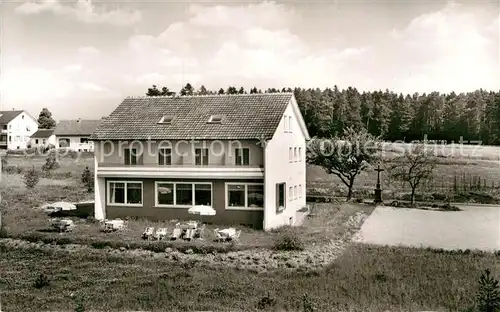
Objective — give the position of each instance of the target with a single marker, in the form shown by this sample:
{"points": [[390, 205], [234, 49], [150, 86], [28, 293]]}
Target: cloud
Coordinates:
{"points": [[88, 52], [83, 11], [447, 50], [210, 47]]}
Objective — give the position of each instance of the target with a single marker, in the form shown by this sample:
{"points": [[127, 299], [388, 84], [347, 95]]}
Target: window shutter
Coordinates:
{"points": [[277, 197], [205, 156], [140, 160], [127, 156], [246, 156], [237, 158]]}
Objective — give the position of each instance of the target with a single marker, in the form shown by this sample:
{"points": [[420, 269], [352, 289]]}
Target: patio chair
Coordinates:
{"points": [[236, 237], [199, 231], [161, 233], [176, 233], [148, 233], [218, 236], [189, 234]]}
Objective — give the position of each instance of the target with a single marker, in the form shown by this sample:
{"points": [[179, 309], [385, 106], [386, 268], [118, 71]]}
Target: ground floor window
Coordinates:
{"points": [[124, 193], [280, 196], [245, 195], [183, 193]]}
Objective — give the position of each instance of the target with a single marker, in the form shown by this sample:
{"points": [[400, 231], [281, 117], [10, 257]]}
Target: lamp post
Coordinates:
{"points": [[378, 190]]}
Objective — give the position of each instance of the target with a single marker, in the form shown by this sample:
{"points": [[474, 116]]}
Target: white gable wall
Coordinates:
{"points": [[19, 131], [279, 169]]}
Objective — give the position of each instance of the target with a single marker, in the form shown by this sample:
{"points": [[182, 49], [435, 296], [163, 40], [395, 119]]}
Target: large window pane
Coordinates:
{"points": [[184, 194], [203, 194], [236, 195], [255, 196], [134, 193], [165, 194], [117, 193]]}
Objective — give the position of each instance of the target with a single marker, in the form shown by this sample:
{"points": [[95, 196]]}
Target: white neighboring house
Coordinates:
{"points": [[16, 128], [43, 137], [244, 155], [74, 134]]}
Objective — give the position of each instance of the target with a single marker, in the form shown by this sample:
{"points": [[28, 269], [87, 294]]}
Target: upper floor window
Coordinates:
{"points": [[286, 123], [290, 154], [295, 192], [5, 127], [300, 190], [290, 123], [10, 126], [295, 157], [300, 153], [22, 117], [84, 140], [164, 157], [10, 138], [132, 157], [28, 128], [242, 156], [290, 193], [201, 156]]}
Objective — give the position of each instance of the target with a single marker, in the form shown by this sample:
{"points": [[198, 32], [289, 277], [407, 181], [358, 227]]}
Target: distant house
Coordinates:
{"points": [[244, 155], [43, 137], [16, 128], [74, 134]]}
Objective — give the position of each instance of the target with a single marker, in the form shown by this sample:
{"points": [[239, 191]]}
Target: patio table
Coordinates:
{"points": [[187, 225], [228, 232]]}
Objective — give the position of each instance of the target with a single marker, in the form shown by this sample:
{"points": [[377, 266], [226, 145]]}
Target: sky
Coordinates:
{"points": [[81, 58]]}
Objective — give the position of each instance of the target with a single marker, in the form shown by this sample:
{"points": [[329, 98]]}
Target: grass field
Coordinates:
{"points": [[363, 279], [359, 277]]}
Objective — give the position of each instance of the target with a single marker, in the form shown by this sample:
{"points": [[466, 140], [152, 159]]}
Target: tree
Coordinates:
{"points": [[88, 179], [203, 90], [488, 296], [232, 90], [345, 156], [221, 91], [242, 91], [154, 91], [31, 178], [253, 90], [45, 120], [187, 89], [414, 167]]}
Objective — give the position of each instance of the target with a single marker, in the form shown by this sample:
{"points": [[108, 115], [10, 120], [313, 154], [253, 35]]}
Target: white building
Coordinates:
{"points": [[43, 137], [244, 155], [74, 134], [16, 128]]}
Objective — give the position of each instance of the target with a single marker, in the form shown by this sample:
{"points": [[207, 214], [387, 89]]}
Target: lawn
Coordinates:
{"points": [[323, 236], [475, 227], [364, 278], [119, 271]]}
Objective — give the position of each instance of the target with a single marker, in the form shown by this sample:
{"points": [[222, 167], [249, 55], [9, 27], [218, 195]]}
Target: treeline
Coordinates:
{"points": [[473, 116]]}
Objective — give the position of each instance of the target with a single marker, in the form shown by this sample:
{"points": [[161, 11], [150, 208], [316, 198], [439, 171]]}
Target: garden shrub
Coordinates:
{"points": [[288, 239], [31, 178], [41, 281], [51, 162]]}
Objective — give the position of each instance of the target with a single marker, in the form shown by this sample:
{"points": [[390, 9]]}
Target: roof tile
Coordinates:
{"points": [[249, 116]]}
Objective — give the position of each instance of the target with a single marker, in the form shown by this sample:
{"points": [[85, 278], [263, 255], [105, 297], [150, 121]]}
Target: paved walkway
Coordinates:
{"points": [[475, 227]]}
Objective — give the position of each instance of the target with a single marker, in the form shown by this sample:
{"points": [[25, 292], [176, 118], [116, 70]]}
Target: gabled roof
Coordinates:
{"points": [[42, 134], [245, 116], [8, 116], [76, 127]]}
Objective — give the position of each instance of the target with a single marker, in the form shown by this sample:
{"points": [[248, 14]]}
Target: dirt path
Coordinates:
{"points": [[259, 260]]}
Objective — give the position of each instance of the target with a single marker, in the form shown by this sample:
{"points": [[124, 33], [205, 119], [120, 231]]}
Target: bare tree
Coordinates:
{"points": [[414, 167], [346, 156]]}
